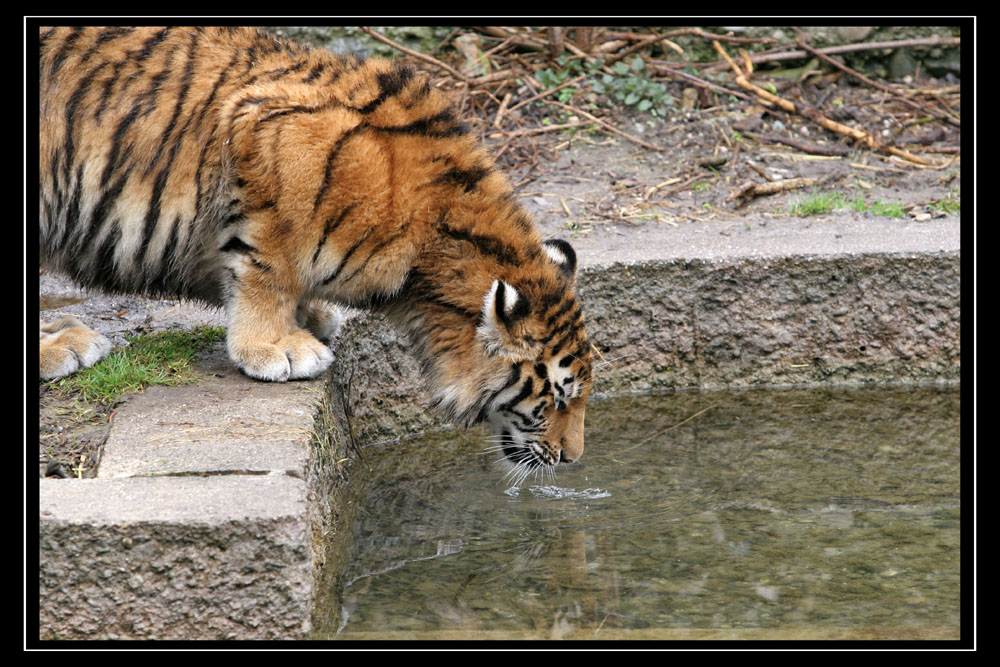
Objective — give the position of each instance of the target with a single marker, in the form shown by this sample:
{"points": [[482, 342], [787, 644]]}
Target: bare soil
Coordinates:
{"points": [[595, 185]]}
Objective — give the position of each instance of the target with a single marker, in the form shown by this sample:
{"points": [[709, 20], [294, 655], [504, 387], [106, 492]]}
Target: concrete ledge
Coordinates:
{"points": [[175, 558], [204, 520], [837, 319]]}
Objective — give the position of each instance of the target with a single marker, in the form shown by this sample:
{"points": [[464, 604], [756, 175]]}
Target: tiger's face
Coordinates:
{"points": [[521, 365], [537, 421]]}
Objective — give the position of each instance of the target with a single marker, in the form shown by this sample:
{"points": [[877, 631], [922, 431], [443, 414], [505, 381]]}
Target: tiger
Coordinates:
{"points": [[282, 182]]}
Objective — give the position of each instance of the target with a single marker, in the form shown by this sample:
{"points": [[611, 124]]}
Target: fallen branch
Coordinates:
{"points": [[642, 44], [858, 135], [846, 48], [660, 69], [538, 130], [694, 32], [874, 84], [801, 145], [748, 191]]}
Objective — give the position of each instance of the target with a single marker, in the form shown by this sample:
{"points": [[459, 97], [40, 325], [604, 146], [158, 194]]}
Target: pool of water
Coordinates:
{"points": [[791, 514]]}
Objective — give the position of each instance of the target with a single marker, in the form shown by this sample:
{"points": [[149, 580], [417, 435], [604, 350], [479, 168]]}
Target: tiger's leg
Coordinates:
{"points": [[321, 318], [264, 338], [67, 345]]}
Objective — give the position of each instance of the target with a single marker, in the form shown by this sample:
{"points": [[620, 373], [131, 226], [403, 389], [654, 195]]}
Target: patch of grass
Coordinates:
{"points": [[889, 209], [950, 204], [819, 203], [162, 358]]}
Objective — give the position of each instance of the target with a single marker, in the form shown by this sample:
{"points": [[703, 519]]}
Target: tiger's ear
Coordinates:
{"points": [[504, 309], [562, 254]]}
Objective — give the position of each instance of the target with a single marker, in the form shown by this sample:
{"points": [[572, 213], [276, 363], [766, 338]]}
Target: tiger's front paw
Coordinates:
{"points": [[66, 346], [296, 356]]}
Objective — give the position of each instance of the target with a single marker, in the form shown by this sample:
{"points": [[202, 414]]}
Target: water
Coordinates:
{"points": [[751, 515]]}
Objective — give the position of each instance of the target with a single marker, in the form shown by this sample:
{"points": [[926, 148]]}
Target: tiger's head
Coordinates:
{"points": [[521, 363]]}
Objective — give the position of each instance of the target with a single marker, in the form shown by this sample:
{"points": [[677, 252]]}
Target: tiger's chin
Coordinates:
{"points": [[525, 462]]}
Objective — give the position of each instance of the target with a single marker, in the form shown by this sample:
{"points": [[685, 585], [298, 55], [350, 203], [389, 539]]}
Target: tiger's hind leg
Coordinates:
{"points": [[67, 345]]}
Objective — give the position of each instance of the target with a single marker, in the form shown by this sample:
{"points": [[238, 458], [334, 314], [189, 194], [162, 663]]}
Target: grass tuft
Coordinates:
{"points": [[162, 358]]}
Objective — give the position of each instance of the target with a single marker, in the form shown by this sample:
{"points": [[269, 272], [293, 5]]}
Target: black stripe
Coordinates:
{"points": [[185, 85], [157, 276], [101, 211], [114, 159], [153, 212], [440, 125], [69, 148], [331, 225], [333, 276], [73, 207], [108, 88], [330, 159], [104, 258], [521, 395], [280, 72], [374, 251], [106, 36], [149, 45], [389, 83], [455, 308], [515, 376], [236, 244], [64, 50], [467, 178], [487, 245], [205, 106], [314, 73], [566, 307], [260, 265], [572, 325]]}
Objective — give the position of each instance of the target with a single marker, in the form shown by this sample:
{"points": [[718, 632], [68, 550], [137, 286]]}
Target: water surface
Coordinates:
{"points": [[793, 514]]}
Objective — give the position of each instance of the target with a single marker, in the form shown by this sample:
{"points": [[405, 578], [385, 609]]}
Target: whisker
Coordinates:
{"points": [[608, 362]]}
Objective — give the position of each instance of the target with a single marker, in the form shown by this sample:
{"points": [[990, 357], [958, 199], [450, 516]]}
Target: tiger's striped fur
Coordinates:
{"points": [[231, 167]]}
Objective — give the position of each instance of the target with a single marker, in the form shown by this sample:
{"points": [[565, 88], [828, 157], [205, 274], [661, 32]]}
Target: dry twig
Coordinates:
{"points": [[748, 191], [416, 54], [858, 135]]}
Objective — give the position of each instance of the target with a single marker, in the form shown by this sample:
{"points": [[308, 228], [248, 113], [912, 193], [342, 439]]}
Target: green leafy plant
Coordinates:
{"points": [[631, 87], [629, 84]]}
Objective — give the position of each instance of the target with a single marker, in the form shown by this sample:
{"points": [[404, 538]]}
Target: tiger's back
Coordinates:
{"points": [[228, 166]]}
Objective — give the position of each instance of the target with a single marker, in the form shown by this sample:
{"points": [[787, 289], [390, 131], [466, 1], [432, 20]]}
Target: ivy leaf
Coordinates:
{"points": [[638, 64]]}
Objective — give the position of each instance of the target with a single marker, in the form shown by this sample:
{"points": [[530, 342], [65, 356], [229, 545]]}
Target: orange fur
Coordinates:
{"points": [[228, 166]]}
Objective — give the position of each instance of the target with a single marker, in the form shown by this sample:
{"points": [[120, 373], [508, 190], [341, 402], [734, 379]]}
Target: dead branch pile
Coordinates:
{"points": [[493, 70]]}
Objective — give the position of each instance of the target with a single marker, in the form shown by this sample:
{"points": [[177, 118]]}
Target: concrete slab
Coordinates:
{"points": [[227, 425], [174, 558]]}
